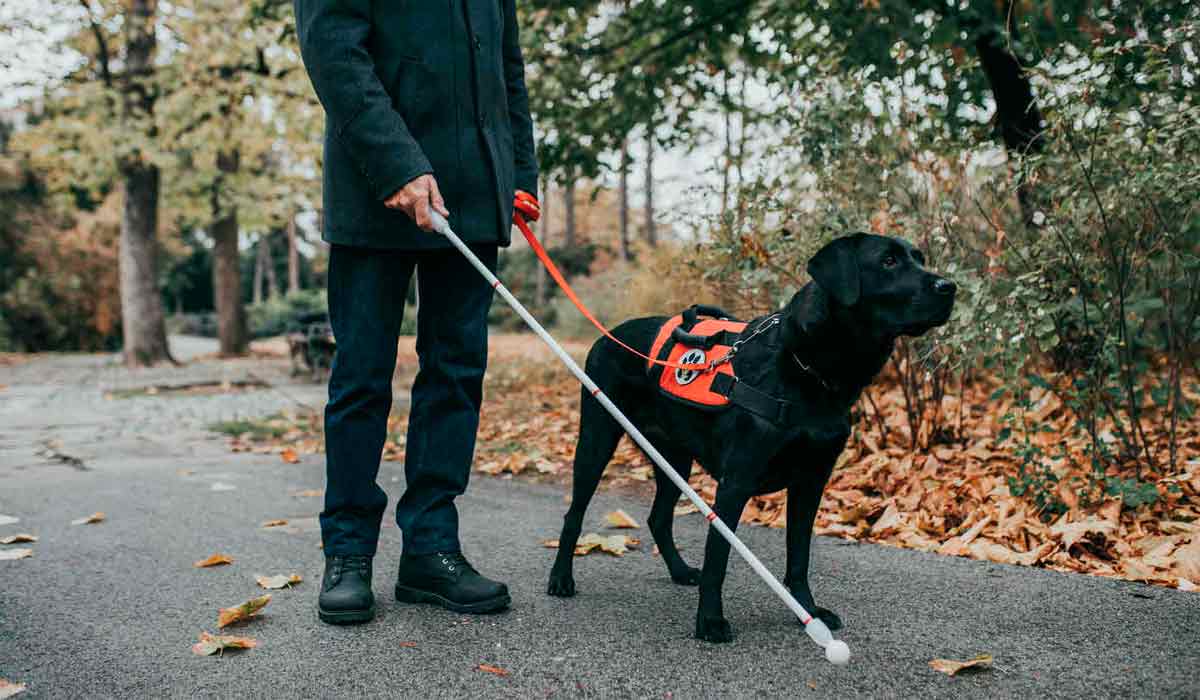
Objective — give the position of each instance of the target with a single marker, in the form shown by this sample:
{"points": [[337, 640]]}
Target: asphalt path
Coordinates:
{"points": [[112, 609]]}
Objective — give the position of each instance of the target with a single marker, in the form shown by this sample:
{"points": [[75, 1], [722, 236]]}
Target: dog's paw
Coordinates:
{"points": [[561, 586], [690, 576], [714, 629], [829, 617]]}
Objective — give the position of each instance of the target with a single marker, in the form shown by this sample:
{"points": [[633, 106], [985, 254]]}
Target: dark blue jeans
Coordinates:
{"points": [[366, 303]]}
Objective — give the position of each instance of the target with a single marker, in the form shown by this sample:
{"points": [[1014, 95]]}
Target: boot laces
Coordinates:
{"points": [[351, 563], [456, 563]]}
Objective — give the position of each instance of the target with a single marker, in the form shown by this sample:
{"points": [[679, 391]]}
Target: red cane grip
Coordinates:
{"points": [[526, 206]]}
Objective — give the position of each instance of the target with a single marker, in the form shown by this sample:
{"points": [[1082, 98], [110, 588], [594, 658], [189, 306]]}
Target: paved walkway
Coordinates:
{"points": [[111, 610]]}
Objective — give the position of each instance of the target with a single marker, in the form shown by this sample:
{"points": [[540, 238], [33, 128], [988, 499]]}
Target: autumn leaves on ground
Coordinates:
{"points": [[954, 497]]}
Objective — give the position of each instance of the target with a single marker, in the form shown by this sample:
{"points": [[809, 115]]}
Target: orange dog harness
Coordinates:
{"points": [[705, 342]]}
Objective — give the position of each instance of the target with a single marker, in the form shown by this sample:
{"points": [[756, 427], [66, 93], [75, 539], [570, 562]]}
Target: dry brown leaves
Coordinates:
{"points": [[210, 644], [289, 455], [950, 498], [14, 554], [277, 522], [92, 519], [214, 560], [616, 545], [243, 612], [278, 581], [620, 520], [18, 538], [494, 670], [953, 668]]}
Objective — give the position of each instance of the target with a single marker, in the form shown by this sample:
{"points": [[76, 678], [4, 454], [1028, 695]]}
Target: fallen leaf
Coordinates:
{"points": [[408, 645], [8, 520], [1187, 558], [289, 455], [92, 519], [185, 472], [210, 644], [309, 493], [278, 581], [488, 668], [616, 545], [279, 522], [952, 668], [19, 537], [621, 520], [685, 508], [9, 689], [11, 554], [214, 560], [245, 611], [1070, 533]]}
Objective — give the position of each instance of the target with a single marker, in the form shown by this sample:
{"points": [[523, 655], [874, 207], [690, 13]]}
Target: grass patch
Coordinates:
{"points": [[270, 428]]}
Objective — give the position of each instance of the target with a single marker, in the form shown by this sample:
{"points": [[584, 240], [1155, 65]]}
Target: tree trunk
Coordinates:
{"points": [[1018, 119], [727, 166], [256, 291], [623, 201], [142, 319], [569, 210], [232, 334], [293, 257], [649, 232], [269, 267]]}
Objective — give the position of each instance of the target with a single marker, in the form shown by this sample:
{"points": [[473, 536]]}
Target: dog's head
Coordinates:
{"points": [[883, 282]]}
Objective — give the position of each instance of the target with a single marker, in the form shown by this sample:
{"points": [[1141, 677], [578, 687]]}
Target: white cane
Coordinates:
{"points": [[836, 650]]}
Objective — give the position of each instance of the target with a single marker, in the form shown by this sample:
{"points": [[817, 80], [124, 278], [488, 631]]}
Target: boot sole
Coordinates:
{"points": [[346, 617], [404, 594]]}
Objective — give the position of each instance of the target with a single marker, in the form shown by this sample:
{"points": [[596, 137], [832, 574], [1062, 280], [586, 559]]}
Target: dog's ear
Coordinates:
{"points": [[835, 269]]}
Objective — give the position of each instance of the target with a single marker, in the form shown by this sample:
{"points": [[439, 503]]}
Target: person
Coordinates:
{"points": [[425, 109]]}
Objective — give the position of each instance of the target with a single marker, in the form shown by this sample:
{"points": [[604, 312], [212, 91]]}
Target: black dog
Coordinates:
{"points": [[831, 340]]}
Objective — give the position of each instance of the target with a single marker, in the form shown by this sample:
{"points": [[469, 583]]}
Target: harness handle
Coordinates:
{"points": [[525, 205]]}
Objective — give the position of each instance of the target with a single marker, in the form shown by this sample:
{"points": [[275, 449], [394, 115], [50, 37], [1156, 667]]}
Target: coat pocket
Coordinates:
{"points": [[413, 94]]}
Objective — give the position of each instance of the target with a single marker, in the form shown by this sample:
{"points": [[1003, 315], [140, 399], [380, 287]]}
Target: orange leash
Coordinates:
{"points": [[526, 205]]}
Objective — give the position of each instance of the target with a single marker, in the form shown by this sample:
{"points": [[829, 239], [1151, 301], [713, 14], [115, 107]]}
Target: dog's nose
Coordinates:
{"points": [[944, 286]]}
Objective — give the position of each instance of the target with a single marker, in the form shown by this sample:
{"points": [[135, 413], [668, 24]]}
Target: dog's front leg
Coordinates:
{"points": [[804, 499], [711, 625]]}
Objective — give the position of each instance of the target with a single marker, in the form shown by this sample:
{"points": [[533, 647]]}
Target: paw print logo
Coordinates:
{"points": [[683, 377]]}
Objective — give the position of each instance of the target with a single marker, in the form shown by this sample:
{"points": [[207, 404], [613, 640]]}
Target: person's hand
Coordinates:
{"points": [[416, 198], [526, 207]]}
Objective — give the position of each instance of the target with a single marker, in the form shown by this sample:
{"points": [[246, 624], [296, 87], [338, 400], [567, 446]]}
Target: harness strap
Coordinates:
{"points": [[739, 393], [538, 250], [704, 342]]}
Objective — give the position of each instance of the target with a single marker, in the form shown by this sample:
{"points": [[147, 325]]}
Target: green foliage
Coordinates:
{"points": [[281, 313]]}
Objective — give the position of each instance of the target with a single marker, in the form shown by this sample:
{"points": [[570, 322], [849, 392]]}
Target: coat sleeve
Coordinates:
{"points": [[525, 167], [358, 111]]}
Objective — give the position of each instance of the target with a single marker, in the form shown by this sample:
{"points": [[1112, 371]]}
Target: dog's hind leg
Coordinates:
{"points": [[662, 519], [599, 434]]}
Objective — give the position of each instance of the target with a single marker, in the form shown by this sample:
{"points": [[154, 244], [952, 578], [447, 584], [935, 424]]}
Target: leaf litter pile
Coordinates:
{"points": [[952, 498]]}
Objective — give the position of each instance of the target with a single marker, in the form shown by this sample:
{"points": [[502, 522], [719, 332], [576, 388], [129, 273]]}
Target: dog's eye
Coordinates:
{"points": [[890, 261]]}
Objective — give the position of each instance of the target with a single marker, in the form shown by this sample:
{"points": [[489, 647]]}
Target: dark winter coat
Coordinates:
{"points": [[412, 87]]}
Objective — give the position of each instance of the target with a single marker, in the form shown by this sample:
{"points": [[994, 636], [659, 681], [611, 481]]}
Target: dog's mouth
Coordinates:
{"points": [[938, 317]]}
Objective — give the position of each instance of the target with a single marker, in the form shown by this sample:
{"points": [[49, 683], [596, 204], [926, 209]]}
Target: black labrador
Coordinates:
{"points": [[833, 337]]}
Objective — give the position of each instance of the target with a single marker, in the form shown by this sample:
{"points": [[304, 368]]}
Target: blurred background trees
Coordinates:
{"points": [[1044, 154]]}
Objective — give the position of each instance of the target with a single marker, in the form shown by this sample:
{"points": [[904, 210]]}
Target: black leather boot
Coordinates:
{"points": [[450, 581], [346, 596]]}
